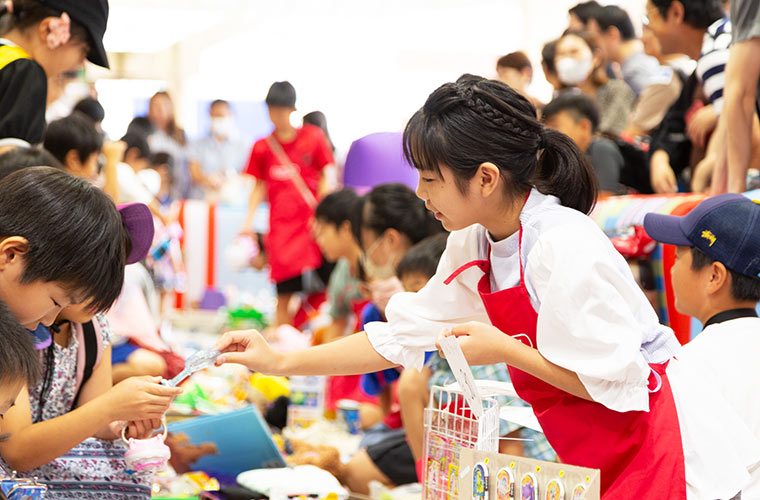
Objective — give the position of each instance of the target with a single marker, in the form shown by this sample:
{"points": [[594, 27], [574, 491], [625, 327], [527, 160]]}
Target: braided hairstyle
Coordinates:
{"points": [[474, 120]]}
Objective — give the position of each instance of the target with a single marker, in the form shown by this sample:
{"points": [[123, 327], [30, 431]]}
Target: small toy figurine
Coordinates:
{"points": [[529, 484], [555, 490], [479, 482], [578, 492], [505, 484]]}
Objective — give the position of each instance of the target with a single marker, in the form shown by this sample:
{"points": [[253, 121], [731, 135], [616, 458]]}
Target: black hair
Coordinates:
{"points": [[516, 60], [465, 124], [613, 16], [218, 102], [75, 233], [139, 142], [696, 13], [423, 257], [28, 13], [338, 207], [548, 55], [395, 206], [281, 95], [585, 11], [75, 132], [19, 158], [140, 125], [19, 360], [578, 105], [162, 158], [318, 119], [91, 107], [743, 288]]}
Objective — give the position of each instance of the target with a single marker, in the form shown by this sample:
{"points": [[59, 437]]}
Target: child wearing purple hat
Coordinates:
{"points": [[716, 279], [52, 421]]}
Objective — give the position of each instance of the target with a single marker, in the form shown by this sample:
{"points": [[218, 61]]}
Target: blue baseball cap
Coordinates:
{"points": [[726, 228]]}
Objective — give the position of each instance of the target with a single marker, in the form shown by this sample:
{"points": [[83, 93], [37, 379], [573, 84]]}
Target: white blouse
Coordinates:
{"points": [[593, 318]]}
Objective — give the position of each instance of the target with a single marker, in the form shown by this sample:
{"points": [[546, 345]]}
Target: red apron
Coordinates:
{"points": [[639, 453]]}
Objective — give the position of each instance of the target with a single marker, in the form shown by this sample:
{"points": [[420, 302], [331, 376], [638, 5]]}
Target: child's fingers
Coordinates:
{"points": [[229, 339], [164, 390], [459, 330], [239, 358]]}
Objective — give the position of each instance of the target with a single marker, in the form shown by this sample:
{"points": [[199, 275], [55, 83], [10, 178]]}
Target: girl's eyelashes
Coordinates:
{"points": [[54, 302]]}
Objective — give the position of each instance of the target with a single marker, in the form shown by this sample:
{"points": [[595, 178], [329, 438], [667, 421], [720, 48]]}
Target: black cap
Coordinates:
{"points": [[281, 95], [93, 15]]}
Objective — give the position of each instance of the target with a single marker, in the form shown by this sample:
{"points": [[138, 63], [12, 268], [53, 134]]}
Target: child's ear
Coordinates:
{"points": [[71, 160], [719, 277], [488, 178], [11, 248]]}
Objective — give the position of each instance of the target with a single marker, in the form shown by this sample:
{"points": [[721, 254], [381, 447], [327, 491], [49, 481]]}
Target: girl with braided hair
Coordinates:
{"points": [[527, 278]]}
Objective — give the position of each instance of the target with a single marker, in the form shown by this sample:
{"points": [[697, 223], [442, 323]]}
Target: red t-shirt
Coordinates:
{"points": [[290, 247]]}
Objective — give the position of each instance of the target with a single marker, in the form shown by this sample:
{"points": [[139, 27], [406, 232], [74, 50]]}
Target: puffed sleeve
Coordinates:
{"points": [[414, 320], [587, 319]]}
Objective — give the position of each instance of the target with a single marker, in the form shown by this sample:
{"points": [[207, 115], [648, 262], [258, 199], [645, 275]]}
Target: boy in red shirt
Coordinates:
{"points": [[288, 168]]}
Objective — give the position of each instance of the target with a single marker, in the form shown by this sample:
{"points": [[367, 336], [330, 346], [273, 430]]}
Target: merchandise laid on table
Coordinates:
{"points": [[525, 285]]}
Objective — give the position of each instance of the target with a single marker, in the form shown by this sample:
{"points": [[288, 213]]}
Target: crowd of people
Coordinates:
{"points": [[478, 251]]}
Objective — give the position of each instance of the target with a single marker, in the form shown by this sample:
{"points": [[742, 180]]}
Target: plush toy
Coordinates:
{"points": [[326, 458]]}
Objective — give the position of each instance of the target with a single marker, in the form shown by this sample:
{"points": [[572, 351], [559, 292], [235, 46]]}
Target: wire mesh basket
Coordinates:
{"points": [[450, 426]]}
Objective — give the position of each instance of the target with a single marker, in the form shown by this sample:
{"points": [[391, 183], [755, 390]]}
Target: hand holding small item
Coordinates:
{"points": [[248, 348]]}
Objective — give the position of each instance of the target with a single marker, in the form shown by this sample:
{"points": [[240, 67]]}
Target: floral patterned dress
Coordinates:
{"points": [[94, 469]]}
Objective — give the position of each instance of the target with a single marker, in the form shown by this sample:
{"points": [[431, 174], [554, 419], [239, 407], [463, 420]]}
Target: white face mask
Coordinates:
{"points": [[573, 71], [222, 126], [375, 272]]}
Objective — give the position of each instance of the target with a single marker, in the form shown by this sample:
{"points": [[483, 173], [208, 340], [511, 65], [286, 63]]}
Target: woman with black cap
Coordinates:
{"points": [[42, 39]]}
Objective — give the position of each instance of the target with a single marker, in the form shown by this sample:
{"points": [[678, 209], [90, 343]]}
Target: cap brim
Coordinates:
{"points": [[98, 55], [139, 223], [666, 229]]}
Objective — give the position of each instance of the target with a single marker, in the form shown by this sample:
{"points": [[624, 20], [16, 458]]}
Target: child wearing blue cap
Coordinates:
{"points": [[716, 279]]}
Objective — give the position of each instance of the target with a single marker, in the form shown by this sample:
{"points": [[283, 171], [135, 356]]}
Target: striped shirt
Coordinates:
{"points": [[711, 67]]}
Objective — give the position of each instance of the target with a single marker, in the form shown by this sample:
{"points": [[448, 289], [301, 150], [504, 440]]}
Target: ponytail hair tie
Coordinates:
{"points": [[542, 141]]}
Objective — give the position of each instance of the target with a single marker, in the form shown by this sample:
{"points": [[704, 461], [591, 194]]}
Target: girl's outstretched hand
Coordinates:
{"points": [[481, 344], [250, 349]]}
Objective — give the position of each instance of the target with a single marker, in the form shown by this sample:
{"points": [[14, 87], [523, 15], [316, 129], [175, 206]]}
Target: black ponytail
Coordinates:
{"points": [[473, 121]]}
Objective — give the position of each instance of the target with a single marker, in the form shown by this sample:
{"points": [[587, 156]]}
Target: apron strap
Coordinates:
{"points": [[483, 265]]}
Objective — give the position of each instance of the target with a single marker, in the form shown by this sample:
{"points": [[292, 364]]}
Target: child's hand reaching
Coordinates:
{"points": [[139, 398], [142, 429], [250, 349]]}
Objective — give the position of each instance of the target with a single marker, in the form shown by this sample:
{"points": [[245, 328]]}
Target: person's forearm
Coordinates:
{"points": [[257, 196], [351, 355], [531, 361], [111, 185], [742, 74], [45, 441]]}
